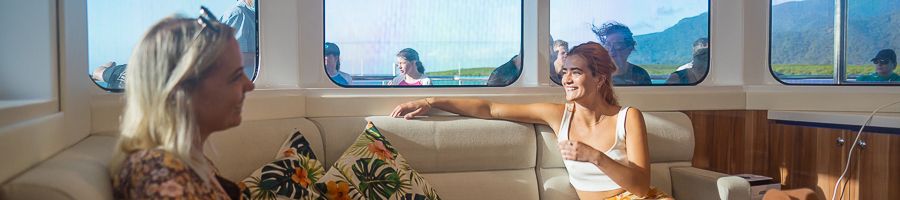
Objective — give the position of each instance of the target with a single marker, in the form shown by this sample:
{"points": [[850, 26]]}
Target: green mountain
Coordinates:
{"points": [[672, 46], [803, 31]]}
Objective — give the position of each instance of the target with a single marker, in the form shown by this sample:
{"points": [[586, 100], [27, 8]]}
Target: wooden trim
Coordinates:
{"points": [[745, 141]]}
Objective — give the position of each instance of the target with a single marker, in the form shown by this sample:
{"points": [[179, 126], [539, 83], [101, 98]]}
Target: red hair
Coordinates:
{"points": [[600, 64]]}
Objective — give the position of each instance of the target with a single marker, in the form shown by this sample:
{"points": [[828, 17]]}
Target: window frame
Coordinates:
{"points": [[839, 74], [518, 77], [709, 36], [19, 108], [257, 60]]}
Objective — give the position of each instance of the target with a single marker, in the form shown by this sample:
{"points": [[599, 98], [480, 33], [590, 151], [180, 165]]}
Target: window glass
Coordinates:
{"points": [[872, 39], [399, 43], [654, 42], [29, 60], [802, 41], [114, 28]]}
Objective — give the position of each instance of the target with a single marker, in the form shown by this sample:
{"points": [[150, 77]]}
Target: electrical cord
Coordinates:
{"points": [[852, 147]]}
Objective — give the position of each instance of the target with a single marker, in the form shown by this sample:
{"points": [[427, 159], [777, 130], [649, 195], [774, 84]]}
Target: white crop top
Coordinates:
{"points": [[586, 176]]}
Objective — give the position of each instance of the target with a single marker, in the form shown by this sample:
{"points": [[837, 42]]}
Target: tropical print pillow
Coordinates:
{"points": [[372, 169], [290, 176]]}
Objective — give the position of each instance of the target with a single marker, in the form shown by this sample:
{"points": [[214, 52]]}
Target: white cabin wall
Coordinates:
{"points": [[726, 40], [531, 75], [279, 37], [49, 127], [756, 45], [311, 21]]}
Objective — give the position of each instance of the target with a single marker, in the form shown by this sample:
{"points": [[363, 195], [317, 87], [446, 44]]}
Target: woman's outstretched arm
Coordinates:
{"points": [[539, 113]]}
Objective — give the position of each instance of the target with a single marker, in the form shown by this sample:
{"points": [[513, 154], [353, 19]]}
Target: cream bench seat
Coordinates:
{"points": [[464, 158]]}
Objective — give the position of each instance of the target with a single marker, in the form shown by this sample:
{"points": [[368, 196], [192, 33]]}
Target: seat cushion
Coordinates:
{"points": [[442, 144], [79, 172], [497, 184], [555, 184], [661, 176], [695, 183]]}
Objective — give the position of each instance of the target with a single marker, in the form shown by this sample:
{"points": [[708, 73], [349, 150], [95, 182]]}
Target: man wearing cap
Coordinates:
{"points": [[885, 63], [333, 65]]}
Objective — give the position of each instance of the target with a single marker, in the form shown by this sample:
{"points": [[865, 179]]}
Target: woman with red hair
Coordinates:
{"points": [[604, 144]]}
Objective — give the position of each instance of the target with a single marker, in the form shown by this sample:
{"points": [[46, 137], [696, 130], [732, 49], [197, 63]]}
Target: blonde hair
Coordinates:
{"points": [[162, 73]]}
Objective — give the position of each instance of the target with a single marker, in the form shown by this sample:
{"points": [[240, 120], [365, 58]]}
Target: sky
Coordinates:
{"points": [[447, 34], [115, 26], [571, 19]]}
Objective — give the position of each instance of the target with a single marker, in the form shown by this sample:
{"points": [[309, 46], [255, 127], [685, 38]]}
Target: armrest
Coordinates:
{"points": [[733, 188], [700, 184]]}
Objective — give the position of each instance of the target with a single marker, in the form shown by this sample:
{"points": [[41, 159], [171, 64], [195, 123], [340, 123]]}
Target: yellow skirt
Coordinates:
{"points": [[653, 194]]}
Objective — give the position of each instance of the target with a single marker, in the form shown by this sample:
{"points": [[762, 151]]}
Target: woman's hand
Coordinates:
{"points": [[413, 108], [577, 151]]}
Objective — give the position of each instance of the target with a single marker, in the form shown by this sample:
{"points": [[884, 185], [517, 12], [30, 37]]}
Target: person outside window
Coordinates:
{"points": [[333, 65], [885, 63], [619, 41], [412, 72], [242, 17]]}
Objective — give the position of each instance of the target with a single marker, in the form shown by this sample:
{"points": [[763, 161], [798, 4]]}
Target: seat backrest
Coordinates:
{"points": [[239, 151], [670, 136], [440, 143], [462, 157]]}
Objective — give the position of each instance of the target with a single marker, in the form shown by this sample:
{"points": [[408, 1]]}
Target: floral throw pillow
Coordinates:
{"points": [[372, 169], [290, 176]]}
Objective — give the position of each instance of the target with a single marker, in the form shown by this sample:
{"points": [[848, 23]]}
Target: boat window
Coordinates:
{"points": [[652, 42], [29, 59], [435, 43], [806, 48], [114, 28]]}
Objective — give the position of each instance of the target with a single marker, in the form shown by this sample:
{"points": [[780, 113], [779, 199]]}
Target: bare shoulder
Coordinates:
{"points": [[635, 119], [551, 112], [635, 112]]}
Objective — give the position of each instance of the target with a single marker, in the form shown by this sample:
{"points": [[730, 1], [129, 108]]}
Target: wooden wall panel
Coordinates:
{"points": [[894, 168], [736, 142]]}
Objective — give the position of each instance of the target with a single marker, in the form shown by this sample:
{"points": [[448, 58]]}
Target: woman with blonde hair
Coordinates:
{"points": [[185, 82], [604, 145]]}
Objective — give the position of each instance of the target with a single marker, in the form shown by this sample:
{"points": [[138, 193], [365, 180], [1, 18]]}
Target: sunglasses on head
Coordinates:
{"points": [[206, 19], [881, 61]]}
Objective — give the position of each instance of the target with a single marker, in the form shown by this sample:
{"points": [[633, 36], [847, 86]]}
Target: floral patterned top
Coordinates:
{"points": [[158, 174]]}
